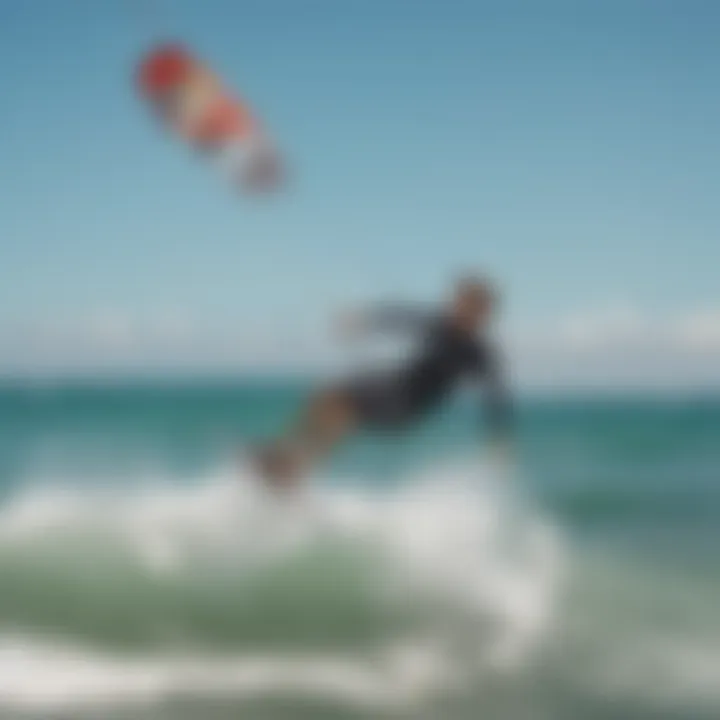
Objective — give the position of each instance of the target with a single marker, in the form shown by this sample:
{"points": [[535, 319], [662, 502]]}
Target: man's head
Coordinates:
{"points": [[473, 303]]}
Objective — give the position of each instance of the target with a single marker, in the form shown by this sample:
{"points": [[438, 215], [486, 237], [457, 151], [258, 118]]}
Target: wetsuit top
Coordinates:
{"points": [[446, 355]]}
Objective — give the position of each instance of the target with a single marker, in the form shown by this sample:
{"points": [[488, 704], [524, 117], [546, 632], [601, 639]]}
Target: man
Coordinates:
{"points": [[453, 347]]}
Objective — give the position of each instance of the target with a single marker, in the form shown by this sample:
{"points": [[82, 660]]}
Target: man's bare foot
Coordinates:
{"points": [[279, 465]]}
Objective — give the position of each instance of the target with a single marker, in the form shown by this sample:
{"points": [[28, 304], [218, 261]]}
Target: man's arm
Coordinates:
{"points": [[498, 404], [387, 318]]}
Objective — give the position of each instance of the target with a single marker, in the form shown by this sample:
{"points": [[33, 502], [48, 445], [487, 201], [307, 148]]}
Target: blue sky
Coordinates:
{"points": [[572, 149]]}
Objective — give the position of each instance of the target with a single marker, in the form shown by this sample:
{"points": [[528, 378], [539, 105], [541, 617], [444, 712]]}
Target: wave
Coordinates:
{"points": [[450, 584], [271, 591], [40, 677]]}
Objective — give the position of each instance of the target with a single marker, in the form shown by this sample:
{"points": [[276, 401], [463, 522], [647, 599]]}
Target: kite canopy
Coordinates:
{"points": [[164, 68], [191, 101]]}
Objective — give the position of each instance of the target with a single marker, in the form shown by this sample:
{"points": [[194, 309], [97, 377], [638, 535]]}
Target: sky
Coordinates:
{"points": [[569, 149]]}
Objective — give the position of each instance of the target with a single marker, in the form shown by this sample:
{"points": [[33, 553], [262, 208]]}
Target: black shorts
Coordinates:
{"points": [[380, 401]]}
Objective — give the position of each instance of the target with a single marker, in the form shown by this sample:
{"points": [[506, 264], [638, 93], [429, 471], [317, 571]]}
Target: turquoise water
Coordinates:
{"points": [[145, 575]]}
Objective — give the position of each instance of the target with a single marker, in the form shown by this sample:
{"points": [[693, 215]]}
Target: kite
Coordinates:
{"points": [[192, 102]]}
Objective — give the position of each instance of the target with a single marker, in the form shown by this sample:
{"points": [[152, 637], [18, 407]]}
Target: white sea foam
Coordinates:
{"points": [[48, 676], [450, 534]]}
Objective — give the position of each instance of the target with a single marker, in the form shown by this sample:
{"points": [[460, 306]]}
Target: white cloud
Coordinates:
{"points": [[598, 330], [625, 329], [108, 331], [616, 345], [622, 346], [700, 331]]}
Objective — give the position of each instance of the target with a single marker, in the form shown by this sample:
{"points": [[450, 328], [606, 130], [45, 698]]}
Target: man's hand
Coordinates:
{"points": [[350, 324], [501, 454]]}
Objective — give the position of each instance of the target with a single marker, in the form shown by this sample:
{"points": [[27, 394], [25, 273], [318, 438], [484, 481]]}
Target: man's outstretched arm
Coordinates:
{"points": [[387, 318]]}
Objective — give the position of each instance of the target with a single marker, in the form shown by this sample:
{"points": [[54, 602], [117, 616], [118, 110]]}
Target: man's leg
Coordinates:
{"points": [[328, 419]]}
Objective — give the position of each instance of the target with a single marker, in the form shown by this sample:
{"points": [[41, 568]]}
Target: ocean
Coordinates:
{"points": [[145, 574]]}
